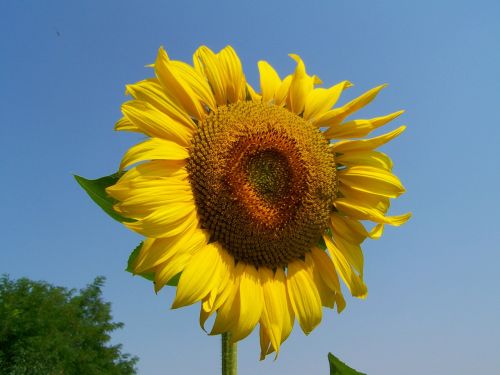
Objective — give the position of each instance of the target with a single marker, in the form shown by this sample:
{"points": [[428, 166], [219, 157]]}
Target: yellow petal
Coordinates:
{"points": [[353, 281], [183, 85], [274, 294], [377, 202], [374, 159], [220, 294], [199, 276], [140, 196], [156, 169], [171, 213], [352, 230], [344, 147], [229, 311], [227, 314], [155, 123], [304, 296], [224, 277], [359, 128], [269, 81], [349, 229], [300, 87], [159, 250], [281, 94], [138, 189], [352, 253], [227, 278], [176, 181], [205, 311], [289, 315], [154, 148], [265, 343], [142, 204], [372, 180], [340, 301], [321, 100], [337, 115], [252, 94], [251, 303], [208, 64], [165, 222], [326, 294], [124, 124], [326, 269], [197, 83], [151, 91], [376, 232], [165, 271], [364, 212], [221, 289], [233, 75]]}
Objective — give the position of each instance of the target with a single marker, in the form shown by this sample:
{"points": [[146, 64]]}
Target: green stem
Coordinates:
{"points": [[229, 355]]}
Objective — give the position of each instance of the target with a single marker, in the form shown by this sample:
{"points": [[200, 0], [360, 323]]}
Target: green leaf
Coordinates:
{"points": [[96, 189], [322, 244], [337, 367], [174, 280], [147, 275], [131, 260]]}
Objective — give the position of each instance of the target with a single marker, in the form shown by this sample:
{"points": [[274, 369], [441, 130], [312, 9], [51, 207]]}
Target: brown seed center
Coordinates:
{"points": [[263, 181]]}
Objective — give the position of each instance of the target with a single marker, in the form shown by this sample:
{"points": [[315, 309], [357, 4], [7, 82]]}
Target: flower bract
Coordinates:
{"points": [[260, 200]]}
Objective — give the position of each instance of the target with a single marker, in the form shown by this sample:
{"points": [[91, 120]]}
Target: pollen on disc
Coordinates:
{"points": [[263, 181]]}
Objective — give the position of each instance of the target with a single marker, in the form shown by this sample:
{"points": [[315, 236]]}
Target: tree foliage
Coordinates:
{"points": [[52, 330]]}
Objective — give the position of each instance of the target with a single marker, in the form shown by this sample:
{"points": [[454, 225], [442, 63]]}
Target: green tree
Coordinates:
{"points": [[52, 330]]}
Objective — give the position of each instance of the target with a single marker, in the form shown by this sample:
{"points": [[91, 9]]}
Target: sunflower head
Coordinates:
{"points": [[257, 200]]}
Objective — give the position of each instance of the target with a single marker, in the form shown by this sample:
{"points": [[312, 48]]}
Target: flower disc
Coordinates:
{"points": [[263, 181]]}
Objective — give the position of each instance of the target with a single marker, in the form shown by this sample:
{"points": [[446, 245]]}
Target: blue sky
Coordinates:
{"points": [[433, 305]]}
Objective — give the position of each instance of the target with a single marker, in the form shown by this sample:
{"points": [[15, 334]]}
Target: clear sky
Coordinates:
{"points": [[433, 304]]}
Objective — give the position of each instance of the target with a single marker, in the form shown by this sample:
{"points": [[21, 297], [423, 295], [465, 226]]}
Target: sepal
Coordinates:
{"points": [[96, 189]]}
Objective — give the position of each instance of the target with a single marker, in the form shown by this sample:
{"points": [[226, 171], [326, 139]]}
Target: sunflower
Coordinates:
{"points": [[258, 200]]}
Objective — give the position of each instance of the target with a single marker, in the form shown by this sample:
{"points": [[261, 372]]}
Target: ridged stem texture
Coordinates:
{"points": [[229, 355]]}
